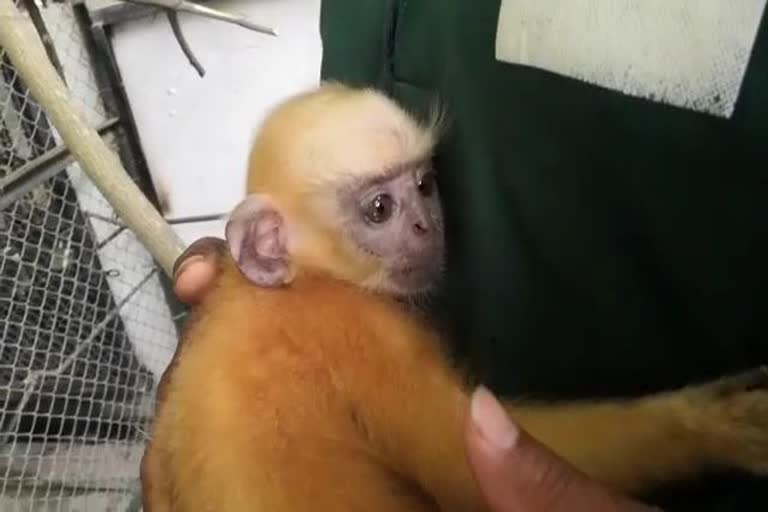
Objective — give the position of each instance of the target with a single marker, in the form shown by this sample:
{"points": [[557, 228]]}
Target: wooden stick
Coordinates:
{"points": [[19, 39]]}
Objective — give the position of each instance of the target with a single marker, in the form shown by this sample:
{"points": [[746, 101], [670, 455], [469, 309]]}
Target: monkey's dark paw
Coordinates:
{"points": [[733, 413], [750, 380]]}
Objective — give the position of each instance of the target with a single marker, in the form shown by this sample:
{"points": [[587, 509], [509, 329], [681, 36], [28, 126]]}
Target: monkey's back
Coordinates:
{"points": [[262, 411]]}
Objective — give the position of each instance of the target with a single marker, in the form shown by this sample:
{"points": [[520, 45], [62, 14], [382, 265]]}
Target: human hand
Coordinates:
{"points": [[193, 274], [515, 472], [195, 270], [518, 474]]}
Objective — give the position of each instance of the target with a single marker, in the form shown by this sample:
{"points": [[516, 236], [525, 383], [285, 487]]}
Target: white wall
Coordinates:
{"points": [[196, 131]]}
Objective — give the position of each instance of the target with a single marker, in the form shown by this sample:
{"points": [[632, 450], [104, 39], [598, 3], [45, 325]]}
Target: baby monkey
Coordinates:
{"points": [[304, 383]]}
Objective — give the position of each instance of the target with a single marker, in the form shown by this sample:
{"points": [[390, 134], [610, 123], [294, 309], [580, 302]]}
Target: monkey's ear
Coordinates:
{"points": [[256, 234]]}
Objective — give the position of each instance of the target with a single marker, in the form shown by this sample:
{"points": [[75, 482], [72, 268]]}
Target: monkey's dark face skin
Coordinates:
{"points": [[397, 218]]}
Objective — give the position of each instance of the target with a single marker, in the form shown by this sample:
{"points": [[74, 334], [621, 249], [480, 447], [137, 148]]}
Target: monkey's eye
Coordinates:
{"points": [[426, 184], [380, 209]]}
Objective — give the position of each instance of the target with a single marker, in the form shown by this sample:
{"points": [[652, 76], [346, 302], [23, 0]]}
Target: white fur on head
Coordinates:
{"points": [[359, 132]]}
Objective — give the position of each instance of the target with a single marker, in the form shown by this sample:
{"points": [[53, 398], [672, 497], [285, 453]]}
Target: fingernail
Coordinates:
{"points": [[186, 263], [491, 420], [199, 249]]}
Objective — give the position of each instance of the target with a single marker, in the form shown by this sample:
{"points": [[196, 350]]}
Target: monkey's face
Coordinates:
{"points": [[396, 218], [340, 184]]}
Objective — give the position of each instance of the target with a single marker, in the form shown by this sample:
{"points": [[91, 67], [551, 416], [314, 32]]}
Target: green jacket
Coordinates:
{"points": [[600, 243]]}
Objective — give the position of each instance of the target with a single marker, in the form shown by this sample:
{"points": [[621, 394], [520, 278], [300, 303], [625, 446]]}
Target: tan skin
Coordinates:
{"points": [[515, 473]]}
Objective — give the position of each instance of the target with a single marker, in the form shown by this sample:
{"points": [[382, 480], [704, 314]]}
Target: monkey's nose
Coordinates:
{"points": [[420, 228]]}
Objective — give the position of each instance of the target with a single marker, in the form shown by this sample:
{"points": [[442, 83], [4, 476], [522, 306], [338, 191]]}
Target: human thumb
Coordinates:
{"points": [[516, 473]]}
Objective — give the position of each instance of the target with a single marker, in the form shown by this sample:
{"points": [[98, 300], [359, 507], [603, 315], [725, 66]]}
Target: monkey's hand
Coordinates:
{"points": [[731, 415]]}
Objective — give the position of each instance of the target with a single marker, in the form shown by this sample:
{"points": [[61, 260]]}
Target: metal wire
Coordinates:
{"points": [[85, 330]]}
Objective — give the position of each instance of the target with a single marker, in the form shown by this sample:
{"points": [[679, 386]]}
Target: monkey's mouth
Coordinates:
{"points": [[413, 279]]}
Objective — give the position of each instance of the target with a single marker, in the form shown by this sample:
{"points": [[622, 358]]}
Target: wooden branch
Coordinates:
{"points": [[208, 12], [20, 40]]}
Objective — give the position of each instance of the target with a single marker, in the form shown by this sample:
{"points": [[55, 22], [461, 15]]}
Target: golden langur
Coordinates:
{"points": [[304, 382]]}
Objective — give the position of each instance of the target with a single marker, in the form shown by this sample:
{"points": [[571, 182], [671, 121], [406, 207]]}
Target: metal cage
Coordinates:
{"points": [[87, 323]]}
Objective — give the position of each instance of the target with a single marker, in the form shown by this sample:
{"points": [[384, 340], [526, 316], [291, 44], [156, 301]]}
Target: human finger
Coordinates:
{"points": [[195, 270], [516, 473]]}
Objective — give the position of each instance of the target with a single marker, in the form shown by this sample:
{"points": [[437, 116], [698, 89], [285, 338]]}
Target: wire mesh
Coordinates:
{"points": [[85, 329]]}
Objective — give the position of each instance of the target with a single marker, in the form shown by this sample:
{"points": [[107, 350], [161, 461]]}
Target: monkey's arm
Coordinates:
{"points": [[630, 446], [636, 444]]}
